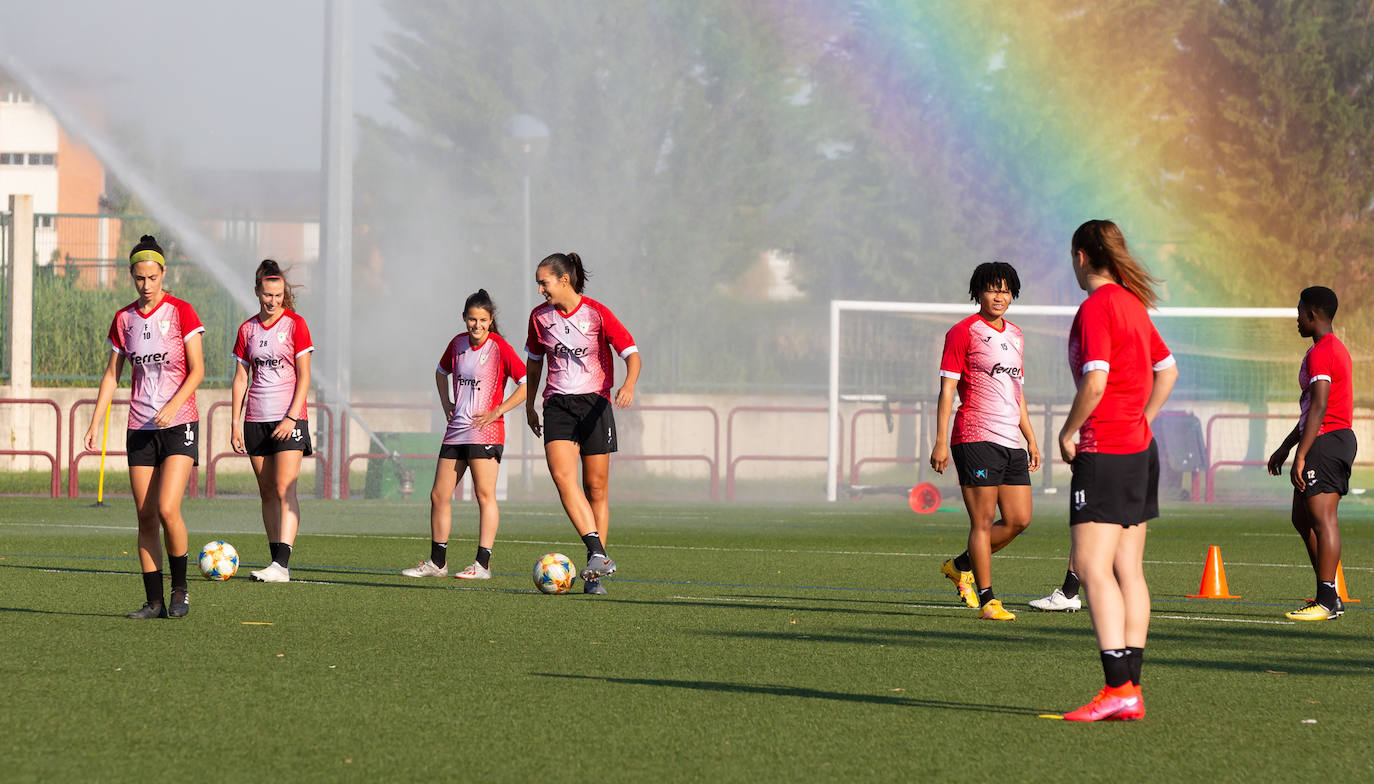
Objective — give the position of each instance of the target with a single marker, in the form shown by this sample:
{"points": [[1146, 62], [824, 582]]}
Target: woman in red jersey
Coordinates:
{"points": [[1326, 449], [1124, 374], [982, 362], [160, 337], [575, 335], [477, 363], [273, 348]]}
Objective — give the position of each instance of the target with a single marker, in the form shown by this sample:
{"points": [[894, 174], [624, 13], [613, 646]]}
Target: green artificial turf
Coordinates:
{"points": [[738, 643]]}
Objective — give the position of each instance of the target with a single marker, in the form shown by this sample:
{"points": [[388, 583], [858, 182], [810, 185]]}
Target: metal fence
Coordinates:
{"points": [[4, 295]]}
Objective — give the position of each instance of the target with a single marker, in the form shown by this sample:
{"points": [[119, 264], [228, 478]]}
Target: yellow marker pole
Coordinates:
{"points": [[104, 440]]}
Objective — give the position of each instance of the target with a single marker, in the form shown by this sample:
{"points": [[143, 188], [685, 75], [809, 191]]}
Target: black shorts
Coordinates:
{"points": [[586, 419], [1327, 467], [471, 451], [257, 438], [985, 464], [151, 447], [1121, 489]]}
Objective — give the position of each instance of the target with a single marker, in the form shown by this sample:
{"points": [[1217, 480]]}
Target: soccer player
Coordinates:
{"points": [[160, 337], [1124, 374], [575, 335], [1326, 449], [477, 363], [982, 362], [273, 348]]}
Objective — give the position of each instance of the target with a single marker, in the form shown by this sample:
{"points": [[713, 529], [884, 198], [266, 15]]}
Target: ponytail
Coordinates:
{"points": [[569, 264], [269, 269], [481, 299], [1105, 246]]}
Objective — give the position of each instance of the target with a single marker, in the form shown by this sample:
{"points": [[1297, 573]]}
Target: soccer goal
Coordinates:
{"points": [[1236, 396]]}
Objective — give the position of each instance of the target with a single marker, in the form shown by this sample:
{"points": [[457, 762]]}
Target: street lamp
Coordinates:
{"points": [[533, 137]]}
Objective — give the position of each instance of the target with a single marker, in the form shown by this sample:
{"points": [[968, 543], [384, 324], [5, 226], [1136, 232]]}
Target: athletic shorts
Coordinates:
{"points": [[586, 419], [985, 464], [471, 451], [151, 447], [1121, 489], [1327, 467], [257, 438]]}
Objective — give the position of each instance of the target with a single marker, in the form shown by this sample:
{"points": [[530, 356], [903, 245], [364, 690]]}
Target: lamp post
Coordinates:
{"points": [[532, 135]]}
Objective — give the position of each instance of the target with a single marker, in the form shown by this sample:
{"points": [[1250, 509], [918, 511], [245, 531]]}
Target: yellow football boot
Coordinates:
{"points": [[994, 611], [963, 583]]}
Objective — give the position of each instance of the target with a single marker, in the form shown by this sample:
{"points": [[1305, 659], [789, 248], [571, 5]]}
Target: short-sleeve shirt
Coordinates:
{"points": [[1328, 360], [479, 375], [270, 354], [987, 362], [154, 344], [577, 347], [1112, 332]]}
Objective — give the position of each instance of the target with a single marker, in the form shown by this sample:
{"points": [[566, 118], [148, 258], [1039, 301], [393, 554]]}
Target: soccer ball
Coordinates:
{"points": [[554, 573], [218, 560]]}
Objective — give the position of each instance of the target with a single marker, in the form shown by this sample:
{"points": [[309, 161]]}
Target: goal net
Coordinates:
{"points": [[1235, 399]]}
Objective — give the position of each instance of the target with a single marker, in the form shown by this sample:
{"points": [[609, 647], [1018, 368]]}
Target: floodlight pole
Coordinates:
{"points": [[336, 221]]}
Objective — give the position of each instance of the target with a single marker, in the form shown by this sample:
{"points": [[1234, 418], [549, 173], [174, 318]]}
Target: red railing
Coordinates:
{"points": [[55, 456], [76, 457], [344, 483], [854, 462], [732, 461], [1213, 466], [712, 461], [321, 455]]}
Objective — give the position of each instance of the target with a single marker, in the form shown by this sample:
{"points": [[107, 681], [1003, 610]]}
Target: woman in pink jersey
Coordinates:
{"points": [[575, 336], [1124, 374], [160, 337], [273, 373], [982, 362], [477, 363]]}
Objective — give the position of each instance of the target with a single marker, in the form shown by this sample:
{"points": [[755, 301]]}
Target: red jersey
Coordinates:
{"points": [[1328, 360], [155, 345], [1112, 332], [479, 376], [270, 354], [987, 363], [577, 347]]}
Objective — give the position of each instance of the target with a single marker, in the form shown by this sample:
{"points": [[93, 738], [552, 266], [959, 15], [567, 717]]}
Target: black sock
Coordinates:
{"points": [[962, 562], [1070, 587], [1326, 595], [438, 554], [985, 595], [152, 586], [1135, 657], [593, 543], [283, 555], [272, 551], [178, 564], [1116, 667], [484, 557]]}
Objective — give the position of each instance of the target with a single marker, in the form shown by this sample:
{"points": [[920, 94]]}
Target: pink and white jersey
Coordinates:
{"points": [[479, 376], [577, 347], [987, 363], [270, 354], [155, 345]]}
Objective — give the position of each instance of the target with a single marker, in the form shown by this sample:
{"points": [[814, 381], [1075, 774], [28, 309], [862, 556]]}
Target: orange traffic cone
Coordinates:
{"points": [[1340, 584], [1213, 578]]}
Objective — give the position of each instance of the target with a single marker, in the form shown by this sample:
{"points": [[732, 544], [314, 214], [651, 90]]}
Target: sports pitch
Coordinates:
{"points": [[738, 643]]}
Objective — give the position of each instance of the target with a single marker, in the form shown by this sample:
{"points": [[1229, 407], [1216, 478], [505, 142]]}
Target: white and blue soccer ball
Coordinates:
{"points": [[218, 560], [554, 573]]}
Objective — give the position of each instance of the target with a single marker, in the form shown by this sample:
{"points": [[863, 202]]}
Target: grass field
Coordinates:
{"points": [[738, 643]]}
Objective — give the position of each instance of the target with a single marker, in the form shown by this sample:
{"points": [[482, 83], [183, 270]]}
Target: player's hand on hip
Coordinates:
{"points": [[164, 417], [283, 429], [939, 457], [486, 418]]}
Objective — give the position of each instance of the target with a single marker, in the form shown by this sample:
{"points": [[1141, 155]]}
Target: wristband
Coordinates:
{"points": [[293, 419]]}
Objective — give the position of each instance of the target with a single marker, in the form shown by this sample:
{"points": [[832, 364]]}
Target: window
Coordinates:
{"points": [[45, 221], [5, 159], [34, 158], [49, 159]]}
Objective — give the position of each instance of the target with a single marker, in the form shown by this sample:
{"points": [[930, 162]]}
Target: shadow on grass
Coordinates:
{"points": [[1285, 666], [802, 692], [58, 612]]}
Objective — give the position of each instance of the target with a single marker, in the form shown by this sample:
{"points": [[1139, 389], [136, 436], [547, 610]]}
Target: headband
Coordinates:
{"points": [[147, 254]]}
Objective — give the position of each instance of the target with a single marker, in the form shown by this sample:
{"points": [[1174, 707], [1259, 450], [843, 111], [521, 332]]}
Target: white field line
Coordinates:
{"points": [[1223, 620], [694, 548]]}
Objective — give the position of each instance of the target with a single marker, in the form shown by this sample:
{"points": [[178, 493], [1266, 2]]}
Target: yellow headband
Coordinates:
{"points": [[148, 255]]}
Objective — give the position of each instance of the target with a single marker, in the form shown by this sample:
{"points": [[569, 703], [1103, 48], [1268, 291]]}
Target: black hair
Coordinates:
{"points": [[146, 242], [270, 269], [481, 299], [569, 264], [989, 274], [1319, 299]]}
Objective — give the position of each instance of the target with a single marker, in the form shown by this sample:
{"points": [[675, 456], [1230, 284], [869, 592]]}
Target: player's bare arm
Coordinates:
{"points": [[1090, 390], [108, 383], [534, 370], [625, 396], [1312, 425], [939, 454], [516, 398], [1028, 433], [236, 396], [296, 411], [195, 373]]}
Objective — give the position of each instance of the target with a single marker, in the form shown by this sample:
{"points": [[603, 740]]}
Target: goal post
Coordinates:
{"points": [[895, 356]]}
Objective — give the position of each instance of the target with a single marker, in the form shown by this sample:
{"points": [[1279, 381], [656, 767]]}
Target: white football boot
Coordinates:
{"points": [[426, 569], [1058, 602], [274, 573], [474, 572]]}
